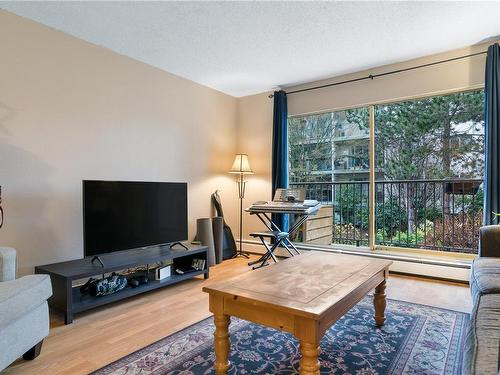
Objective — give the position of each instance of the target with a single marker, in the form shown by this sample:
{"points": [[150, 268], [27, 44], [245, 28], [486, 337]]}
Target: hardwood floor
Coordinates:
{"points": [[103, 335]]}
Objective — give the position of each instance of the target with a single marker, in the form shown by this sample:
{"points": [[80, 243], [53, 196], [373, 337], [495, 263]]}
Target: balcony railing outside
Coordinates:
{"points": [[443, 215]]}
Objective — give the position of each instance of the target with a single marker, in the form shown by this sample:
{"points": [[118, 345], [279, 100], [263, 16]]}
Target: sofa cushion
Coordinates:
{"points": [[489, 241], [482, 343], [485, 276], [18, 297]]}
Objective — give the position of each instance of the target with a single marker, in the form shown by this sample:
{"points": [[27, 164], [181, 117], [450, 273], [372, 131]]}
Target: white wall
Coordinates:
{"points": [[70, 110], [255, 113]]}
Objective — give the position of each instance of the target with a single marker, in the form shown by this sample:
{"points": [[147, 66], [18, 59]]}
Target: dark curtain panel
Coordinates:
{"points": [[492, 136], [280, 152]]}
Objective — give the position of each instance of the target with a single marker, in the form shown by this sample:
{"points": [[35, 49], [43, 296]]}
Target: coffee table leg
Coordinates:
{"points": [[221, 343], [379, 303], [309, 364]]}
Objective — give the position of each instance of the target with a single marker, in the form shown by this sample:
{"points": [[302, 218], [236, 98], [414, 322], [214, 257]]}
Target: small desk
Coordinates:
{"points": [[264, 216], [303, 295]]}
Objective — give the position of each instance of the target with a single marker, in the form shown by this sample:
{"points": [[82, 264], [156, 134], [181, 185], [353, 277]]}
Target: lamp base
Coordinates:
{"points": [[241, 194], [241, 254]]}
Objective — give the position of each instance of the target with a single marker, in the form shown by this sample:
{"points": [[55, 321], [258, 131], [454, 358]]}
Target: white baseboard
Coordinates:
{"points": [[431, 270], [412, 267]]}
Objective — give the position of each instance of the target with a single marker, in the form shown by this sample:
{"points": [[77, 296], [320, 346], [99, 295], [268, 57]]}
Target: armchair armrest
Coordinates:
{"points": [[489, 241], [7, 263], [20, 296]]}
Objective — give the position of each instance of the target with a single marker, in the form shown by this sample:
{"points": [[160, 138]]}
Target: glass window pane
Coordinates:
{"points": [[429, 157], [329, 158]]}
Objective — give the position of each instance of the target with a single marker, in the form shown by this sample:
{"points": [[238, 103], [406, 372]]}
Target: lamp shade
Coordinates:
{"points": [[241, 165]]}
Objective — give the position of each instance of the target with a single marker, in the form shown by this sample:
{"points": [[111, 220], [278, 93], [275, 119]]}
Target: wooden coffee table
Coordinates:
{"points": [[303, 295]]}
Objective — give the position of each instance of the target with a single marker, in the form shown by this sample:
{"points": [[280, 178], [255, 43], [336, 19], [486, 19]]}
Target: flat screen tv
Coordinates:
{"points": [[120, 215]]}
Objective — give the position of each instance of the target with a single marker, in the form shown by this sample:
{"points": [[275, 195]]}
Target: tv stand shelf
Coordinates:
{"points": [[67, 298]]}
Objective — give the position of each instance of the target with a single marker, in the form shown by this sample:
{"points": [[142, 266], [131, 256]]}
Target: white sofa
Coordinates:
{"points": [[24, 313]]}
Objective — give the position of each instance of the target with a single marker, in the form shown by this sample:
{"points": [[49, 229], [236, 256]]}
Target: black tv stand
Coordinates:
{"points": [[65, 276], [178, 243], [98, 259]]}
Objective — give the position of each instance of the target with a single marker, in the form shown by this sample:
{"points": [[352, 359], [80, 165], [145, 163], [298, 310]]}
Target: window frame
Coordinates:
{"points": [[372, 172]]}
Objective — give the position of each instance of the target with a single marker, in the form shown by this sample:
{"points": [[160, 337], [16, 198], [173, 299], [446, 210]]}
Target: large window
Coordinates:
{"points": [[427, 173]]}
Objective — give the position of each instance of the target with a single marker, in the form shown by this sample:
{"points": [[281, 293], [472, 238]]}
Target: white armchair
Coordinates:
{"points": [[24, 314]]}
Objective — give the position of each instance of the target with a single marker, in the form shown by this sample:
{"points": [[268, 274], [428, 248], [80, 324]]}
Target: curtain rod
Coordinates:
{"points": [[372, 76]]}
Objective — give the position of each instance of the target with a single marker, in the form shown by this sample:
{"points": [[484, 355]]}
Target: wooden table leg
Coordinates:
{"points": [[309, 363], [221, 343], [306, 330], [379, 302]]}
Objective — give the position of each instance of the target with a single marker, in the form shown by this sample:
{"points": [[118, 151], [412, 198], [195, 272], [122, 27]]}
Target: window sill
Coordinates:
{"points": [[429, 257]]}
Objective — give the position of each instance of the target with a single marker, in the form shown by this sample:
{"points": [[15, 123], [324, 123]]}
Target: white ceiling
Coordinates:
{"points": [[243, 48]]}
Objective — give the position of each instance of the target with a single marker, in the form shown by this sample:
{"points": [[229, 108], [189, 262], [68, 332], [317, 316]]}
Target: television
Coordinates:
{"points": [[121, 215]]}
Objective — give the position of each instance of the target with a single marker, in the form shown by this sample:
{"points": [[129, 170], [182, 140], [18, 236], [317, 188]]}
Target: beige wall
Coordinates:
{"points": [[451, 76], [70, 110], [255, 113], [255, 117]]}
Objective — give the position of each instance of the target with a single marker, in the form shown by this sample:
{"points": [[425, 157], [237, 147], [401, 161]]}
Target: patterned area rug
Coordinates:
{"points": [[415, 339]]}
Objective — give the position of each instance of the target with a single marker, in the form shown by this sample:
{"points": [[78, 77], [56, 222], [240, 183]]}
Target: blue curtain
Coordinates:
{"points": [[492, 136], [280, 152]]}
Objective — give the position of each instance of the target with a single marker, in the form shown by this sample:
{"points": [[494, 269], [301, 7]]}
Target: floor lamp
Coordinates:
{"points": [[241, 166]]}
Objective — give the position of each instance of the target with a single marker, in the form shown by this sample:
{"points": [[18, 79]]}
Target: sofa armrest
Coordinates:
{"points": [[7, 263], [489, 241]]}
